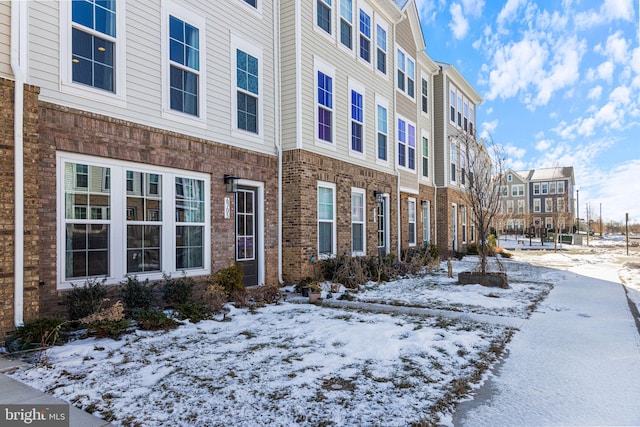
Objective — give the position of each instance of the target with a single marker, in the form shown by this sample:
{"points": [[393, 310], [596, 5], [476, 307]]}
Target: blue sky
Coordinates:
{"points": [[560, 81]]}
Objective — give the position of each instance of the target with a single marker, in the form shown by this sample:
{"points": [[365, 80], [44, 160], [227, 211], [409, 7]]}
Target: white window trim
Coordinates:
{"points": [[425, 134], [536, 189], [255, 10], [169, 8], [66, 83], [363, 193], [411, 201], [332, 13], [118, 238], [325, 68], [372, 42], [453, 90], [548, 204], [427, 78], [537, 208], [354, 9], [355, 86], [255, 51], [407, 58], [397, 142], [463, 223], [384, 104], [382, 24], [426, 221], [332, 186]]}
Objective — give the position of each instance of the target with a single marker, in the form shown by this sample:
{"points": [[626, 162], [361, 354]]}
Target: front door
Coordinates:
{"points": [[246, 234]]}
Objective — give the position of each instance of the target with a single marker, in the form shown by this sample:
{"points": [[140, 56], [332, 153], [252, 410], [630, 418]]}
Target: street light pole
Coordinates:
{"points": [[578, 210]]}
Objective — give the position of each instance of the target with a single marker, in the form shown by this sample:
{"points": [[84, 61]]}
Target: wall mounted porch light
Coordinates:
{"points": [[379, 195], [231, 183]]}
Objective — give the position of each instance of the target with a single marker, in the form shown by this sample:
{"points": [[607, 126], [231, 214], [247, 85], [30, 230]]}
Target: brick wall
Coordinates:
{"points": [[7, 205], [66, 129], [301, 172]]}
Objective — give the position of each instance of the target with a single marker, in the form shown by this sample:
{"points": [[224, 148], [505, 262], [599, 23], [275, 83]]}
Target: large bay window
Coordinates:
{"points": [[123, 218]]}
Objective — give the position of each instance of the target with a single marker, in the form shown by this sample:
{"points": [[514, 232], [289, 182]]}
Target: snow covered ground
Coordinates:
{"points": [[301, 364]]}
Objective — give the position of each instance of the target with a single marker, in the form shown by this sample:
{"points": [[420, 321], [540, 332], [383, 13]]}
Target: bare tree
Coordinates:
{"points": [[482, 174]]}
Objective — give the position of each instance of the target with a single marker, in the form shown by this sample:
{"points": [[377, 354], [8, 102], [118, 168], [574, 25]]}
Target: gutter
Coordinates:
{"points": [[18, 61]]}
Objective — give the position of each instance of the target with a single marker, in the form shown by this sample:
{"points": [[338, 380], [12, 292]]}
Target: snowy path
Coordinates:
{"points": [[574, 362]]}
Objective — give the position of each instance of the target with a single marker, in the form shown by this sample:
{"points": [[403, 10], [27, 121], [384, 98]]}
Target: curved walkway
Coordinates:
{"points": [[576, 361]]}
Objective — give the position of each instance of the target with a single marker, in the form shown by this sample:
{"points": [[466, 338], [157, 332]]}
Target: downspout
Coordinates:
{"points": [[276, 124], [18, 60], [397, 171]]}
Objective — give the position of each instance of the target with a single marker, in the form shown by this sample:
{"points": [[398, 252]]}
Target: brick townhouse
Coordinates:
{"points": [[171, 136]]}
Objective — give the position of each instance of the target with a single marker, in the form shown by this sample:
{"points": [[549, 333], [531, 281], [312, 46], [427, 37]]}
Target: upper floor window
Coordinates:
{"points": [[452, 105], [406, 144], [509, 178], [382, 132], [184, 66], [471, 118], [323, 14], [325, 107], [454, 161], [253, 3], [381, 51], [465, 125], [545, 188], [548, 204], [365, 36], [247, 82], [425, 157], [459, 109], [406, 74], [357, 119], [560, 187], [93, 43], [552, 188], [346, 23], [536, 188], [536, 205], [517, 190], [425, 97]]}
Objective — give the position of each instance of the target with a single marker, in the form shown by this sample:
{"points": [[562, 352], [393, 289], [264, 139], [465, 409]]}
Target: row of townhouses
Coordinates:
{"points": [[537, 201], [170, 136]]}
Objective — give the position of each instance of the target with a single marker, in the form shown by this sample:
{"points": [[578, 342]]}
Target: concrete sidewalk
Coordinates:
{"points": [[12, 391], [574, 362]]}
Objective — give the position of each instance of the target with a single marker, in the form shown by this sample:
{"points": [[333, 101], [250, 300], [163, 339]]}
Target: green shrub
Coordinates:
{"points": [[472, 249], [113, 329], [86, 300], [177, 291], [135, 294], [153, 319], [41, 332], [229, 278], [194, 311]]}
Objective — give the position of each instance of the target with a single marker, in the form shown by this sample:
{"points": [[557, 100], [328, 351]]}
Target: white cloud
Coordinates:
{"points": [[609, 11], [427, 9], [605, 71], [620, 96], [543, 145], [473, 7], [514, 152], [595, 92], [488, 128], [617, 47], [565, 70], [459, 24], [616, 203], [509, 11]]}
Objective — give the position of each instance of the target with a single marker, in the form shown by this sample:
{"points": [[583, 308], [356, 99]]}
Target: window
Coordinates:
{"points": [[425, 97], [326, 220], [358, 240], [463, 210], [406, 74], [426, 221], [560, 204], [552, 188], [184, 66], [536, 188], [454, 161], [323, 14], [425, 157], [253, 3], [247, 83], [560, 187], [545, 188], [382, 132], [509, 206], [463, 171], [466, 115], [536, 205], [357, 119], [325, 107], [459, 109], [381, 51], [164, 215], [93, 43], [517, 190], [452, 105], [365, 36], [411, 217], [471, 118], [346, 23], [504, 190], [548, 223], [548, 204], [406, 144], [509, 178], [520, 206]]}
